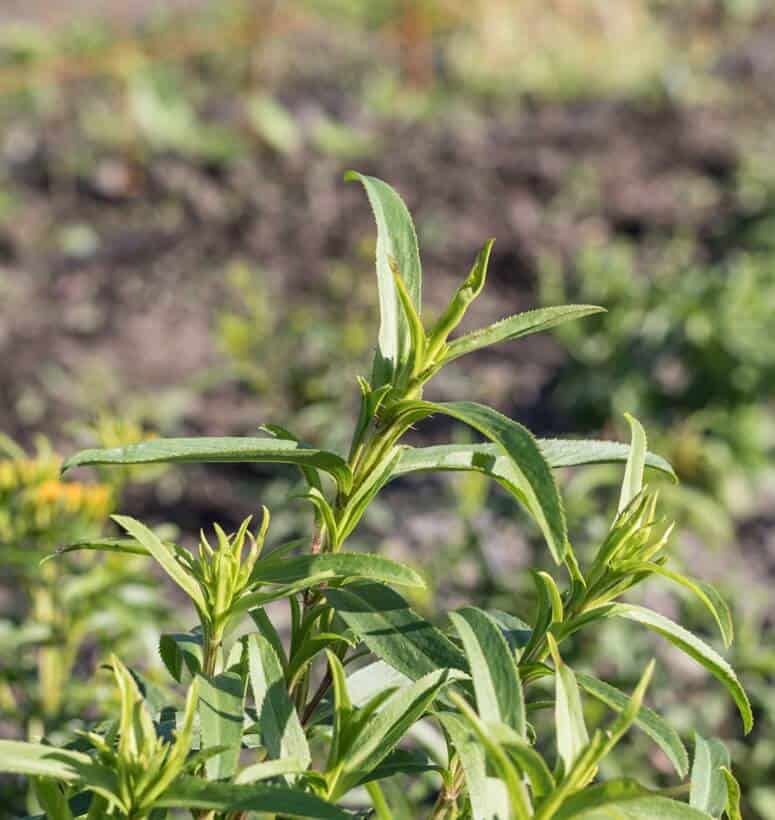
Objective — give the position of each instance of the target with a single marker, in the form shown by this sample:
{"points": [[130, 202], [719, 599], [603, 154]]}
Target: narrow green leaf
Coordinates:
{"points": [[521, 324], [526, 475], [488, 795], [268, 769], [458, 305], [572, 734], [221, 705], [517, 795], [636, 461], [124, 546], [386, 727], [193, 793], [498, 689], [396, 239], [709, 786], [281, 730], [336, 565], [163, 555], [52, 799], [226, 449], [530, 762], [489, 458], [383, 620], [624, 800], [695, 648], [649, 721], [708, 595], [37, 760], [733, 795]]}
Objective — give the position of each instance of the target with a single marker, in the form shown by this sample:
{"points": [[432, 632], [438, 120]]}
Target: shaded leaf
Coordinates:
{"points": [[193, 793], [281, 730], [221, 706], [636, 461], [384, 621]]}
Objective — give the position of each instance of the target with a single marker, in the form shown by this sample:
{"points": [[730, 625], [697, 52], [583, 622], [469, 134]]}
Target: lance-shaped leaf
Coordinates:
{"points": [[336, 565], [526, 474], [695, 648], [636, 461], [647, 720], [193, 793], [165, 557], [488, 796], [267, 769], [514, 327], [498, 689], [490, 459], [384, 621], [572, 734], [708, 595], [226, 449], [624, 800], [37, 760], [396, 240], [221, 706], [733, 795], [387, 726], [123, 546], [709, 785], [281, 730]]}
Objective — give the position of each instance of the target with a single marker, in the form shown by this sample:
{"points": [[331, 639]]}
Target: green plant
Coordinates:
{"points": [[287, 710]]}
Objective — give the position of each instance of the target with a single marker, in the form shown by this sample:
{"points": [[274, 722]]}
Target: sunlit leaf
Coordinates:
{"points": [[514, 327], [227, 449], [709, 785], [695, 648], [649, 721], [396, 239], [498, 689]]}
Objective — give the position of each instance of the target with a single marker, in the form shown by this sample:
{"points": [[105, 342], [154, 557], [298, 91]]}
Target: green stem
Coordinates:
{"points": [[381, 808]]}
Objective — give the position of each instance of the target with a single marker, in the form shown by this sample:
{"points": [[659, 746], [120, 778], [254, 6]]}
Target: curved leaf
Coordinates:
{"points": [[226, 449], [649, 721], [525, 473], [695, 648], [396, 239], [636, 461], [489, 458], [164, 556]]}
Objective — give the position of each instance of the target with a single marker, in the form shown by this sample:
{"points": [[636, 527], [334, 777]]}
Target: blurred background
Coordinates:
{"points": [[179, 255]]}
